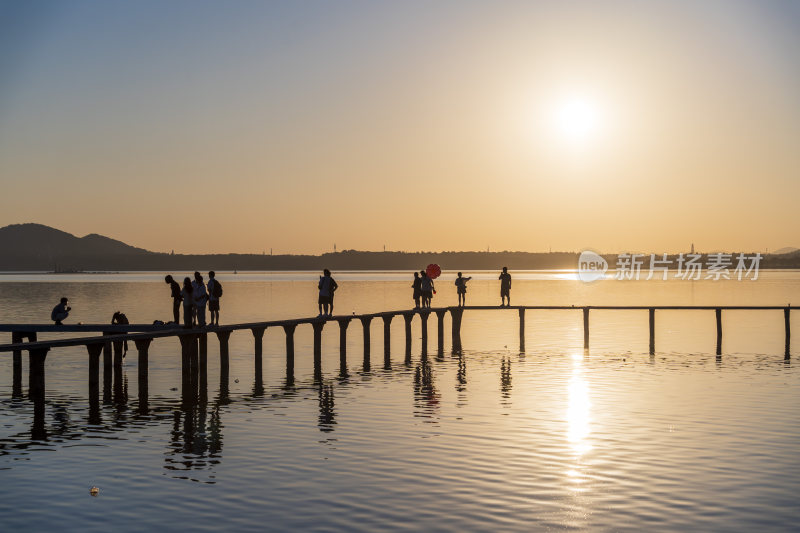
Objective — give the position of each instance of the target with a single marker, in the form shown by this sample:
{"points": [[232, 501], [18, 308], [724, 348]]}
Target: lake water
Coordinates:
{"points": [[489, 439]]}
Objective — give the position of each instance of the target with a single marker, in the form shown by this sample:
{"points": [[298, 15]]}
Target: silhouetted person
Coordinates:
{"points": [[505, 287], [60, 312], [426, 284], [461, 289], [188, 302], [176, 298], [417, 286], [119, 318], [214, 294], [327, 286], [200, 299]]}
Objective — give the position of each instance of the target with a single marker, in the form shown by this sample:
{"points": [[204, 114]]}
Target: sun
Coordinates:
{"points": [[576, 119]]}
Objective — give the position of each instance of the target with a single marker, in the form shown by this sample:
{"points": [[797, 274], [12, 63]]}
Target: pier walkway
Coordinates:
{"points": [[194, 340]]}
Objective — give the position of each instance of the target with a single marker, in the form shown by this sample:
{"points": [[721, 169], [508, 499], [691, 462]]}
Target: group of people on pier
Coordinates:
{"points": [[424, 289], [196, 295]]}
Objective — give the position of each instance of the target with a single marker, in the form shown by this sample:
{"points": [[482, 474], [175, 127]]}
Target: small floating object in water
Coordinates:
{"points": [[236, 380], [94, 491], [174, 388]]}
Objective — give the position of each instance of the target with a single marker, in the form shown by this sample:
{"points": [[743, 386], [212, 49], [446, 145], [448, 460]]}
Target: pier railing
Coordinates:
{"points": [[194, 340]]}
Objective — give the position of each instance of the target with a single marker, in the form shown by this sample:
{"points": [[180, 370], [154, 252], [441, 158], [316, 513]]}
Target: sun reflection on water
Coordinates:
{"points": [[578, 418]]}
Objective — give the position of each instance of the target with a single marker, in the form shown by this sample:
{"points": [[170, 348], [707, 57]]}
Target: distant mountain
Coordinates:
{"points": [[39, 247], [786, 250], [34, 247]]}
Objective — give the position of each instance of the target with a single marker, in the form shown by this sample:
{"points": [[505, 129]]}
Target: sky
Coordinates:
{"points": [[203, 127]]}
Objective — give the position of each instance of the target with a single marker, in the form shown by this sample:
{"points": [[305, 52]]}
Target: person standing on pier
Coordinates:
{"points": [[505, 287], [60, 312], [176, 298], [200, 299], [426, 284], [327, 285], [417, 286], [461, 289], [188, 302], [214, 294]]}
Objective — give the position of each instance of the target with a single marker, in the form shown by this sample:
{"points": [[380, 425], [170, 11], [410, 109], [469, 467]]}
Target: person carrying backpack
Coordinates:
{"points": [[214, 294]]}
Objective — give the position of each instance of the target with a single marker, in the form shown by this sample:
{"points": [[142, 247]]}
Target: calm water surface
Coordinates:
{"points": [[487, 440]]}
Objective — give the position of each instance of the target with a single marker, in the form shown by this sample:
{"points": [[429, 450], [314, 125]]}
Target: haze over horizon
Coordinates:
{"points": [[208, 128]]}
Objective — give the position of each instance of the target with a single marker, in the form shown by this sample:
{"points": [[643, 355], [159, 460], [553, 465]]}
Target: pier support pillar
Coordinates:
{"points": [[387, 340], [289, 330], [521, 329], [108, 369], [224, 354], [455, 315], [36, 373], [652, 316], [94, 370], [407, 318], [440, 332], [585, 328], [343, 323], [365, 323], [143, 350], [786, 320], [318, 348], [118, 368], [718, 313], [188, 345], [202, 344], [118, 353], [423, 315], [258, 337], [16, 338]]}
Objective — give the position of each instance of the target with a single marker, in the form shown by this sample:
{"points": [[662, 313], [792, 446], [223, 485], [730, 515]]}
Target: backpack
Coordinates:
{"points": [[216, 292]]}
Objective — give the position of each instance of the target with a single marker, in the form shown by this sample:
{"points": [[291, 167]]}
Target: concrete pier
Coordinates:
{"points": [[194, 345]]}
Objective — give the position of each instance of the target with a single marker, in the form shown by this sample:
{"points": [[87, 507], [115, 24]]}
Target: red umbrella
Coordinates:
{"points": [[433, 271]]}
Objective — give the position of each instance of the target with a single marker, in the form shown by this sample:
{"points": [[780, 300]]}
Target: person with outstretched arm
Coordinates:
{"points": [[461, 289]]}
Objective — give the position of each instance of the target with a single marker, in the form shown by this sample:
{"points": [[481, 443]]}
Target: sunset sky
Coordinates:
{"points": [[244, 126]]}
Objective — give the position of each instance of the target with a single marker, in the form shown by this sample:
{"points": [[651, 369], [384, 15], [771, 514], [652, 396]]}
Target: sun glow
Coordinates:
{"points": [[577, 119]]}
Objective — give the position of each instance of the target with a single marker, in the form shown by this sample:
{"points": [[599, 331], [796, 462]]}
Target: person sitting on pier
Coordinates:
{"points": [[505, 287], [327, 286], [427, 287], [60, 312], [200, 296], [416, 285], [188, 302], [176, 298], [119, 318], [214, 294], [461, 289]]}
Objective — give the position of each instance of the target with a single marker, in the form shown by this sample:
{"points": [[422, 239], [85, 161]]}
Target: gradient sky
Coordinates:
{"points": [[244, 126]]}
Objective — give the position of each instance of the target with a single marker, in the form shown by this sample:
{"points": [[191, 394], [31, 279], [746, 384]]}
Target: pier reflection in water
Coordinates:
{"points": [[559, 428]]}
